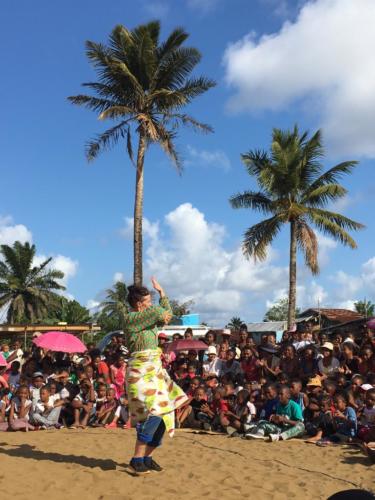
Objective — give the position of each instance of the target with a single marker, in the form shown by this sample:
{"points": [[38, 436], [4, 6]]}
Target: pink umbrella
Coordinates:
{"points": [[371, 324], [60, 342], [187, 345], [3, 361]]}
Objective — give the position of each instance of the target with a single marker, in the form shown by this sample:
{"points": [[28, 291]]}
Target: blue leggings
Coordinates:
{"points": [[151, 431]]}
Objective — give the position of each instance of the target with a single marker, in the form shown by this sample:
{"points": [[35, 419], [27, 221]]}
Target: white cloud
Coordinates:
{"points": [[202, 157], [92, 305], [324, 60], [192, 263], [358, 286], [325, 246], [62, 263], [150, 229], [10, 232], [118, 277]]}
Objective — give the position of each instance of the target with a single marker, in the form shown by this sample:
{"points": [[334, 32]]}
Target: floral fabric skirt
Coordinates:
{"points": [[150, 389]]}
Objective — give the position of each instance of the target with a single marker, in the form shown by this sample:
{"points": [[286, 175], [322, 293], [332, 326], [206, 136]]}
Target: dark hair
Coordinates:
{"points": [[189, 330], [371, 378], [136, 294], [371, 392], [16, 365]]}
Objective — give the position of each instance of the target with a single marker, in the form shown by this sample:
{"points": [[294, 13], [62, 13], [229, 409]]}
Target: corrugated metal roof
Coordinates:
{"points": [[269, 326], [339, 315]]}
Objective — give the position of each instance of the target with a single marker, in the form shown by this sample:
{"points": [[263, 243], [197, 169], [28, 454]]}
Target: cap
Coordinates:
{"points": [[163, 335], [348, 340], [36, 335], [315, 381], [226, 331], [37, 374], [328, 346], [211, 349]]}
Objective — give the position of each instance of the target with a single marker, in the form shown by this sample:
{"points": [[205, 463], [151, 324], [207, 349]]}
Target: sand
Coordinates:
{"points": [[91, 464]]}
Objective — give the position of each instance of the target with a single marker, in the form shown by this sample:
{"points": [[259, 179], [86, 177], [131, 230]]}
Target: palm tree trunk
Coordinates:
{"points": [[138, 212], [292, 275]]}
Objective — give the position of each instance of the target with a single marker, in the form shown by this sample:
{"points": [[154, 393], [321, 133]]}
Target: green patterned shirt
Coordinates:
{"points": [[141, 328]]}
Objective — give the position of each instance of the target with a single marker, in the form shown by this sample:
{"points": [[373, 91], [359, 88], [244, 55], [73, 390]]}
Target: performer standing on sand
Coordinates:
{"points": [[153, 396]]}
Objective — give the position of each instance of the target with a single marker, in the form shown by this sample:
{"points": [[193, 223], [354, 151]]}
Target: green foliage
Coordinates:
{"points": [[235, 323], [365, 307], [142, 84], [113, 309], [26, 289], [180, 309], [67, 311], [293, 187], [279, 311]]}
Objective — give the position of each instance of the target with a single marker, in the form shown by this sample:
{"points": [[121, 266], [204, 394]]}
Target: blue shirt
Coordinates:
{"points": [[269, 408], [347, 427]]}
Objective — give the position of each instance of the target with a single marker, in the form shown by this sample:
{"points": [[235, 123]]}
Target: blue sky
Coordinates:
{"points": [[272, 70]]}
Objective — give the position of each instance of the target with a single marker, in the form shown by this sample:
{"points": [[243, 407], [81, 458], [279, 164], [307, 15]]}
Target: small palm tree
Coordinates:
{"points": [[115, 306], [365, 307], [143, 84], [294, 190], [235, 323], [27, 290]]}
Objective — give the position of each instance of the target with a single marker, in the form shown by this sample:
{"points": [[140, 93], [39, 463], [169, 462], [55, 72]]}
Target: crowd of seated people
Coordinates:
{"points": [[307, 385]]}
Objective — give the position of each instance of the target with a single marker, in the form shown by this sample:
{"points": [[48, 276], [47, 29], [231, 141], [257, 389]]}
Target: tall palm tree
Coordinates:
{"points": [[294, 190], [27, 290], [142, 85], [115, 304]]}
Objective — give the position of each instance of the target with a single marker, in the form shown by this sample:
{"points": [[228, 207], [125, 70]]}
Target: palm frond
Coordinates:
{"points": [[308, 243], [324, 194], [253, 200], [259, 236], [106, 140]]}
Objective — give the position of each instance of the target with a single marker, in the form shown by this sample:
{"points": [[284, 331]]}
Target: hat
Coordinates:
{"points": [[366, 387], [211, 349], [315, 381], [37, 374], [36, 335], [163, 335], [327, 345], [226, 331]]}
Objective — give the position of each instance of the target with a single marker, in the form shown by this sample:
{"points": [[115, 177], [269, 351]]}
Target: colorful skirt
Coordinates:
{"points": [[150, 390]]}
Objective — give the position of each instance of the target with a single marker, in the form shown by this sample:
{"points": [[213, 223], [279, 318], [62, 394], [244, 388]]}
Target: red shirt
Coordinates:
{"points": [[219, 405], [250, 369]]}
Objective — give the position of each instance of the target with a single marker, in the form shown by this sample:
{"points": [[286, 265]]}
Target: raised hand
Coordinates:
{"points": [[157, 286]]}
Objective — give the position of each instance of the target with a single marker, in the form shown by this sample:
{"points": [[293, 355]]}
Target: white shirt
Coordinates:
{"points": [[18, 358], [215, 366], [328, 370], [41, 408]]}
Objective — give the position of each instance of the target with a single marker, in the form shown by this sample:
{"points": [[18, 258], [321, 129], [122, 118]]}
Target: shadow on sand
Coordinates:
{"points": [[28, 451]]}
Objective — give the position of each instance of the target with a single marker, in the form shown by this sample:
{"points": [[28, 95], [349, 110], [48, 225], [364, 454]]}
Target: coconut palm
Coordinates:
{"points": [[143, 85], [115, 304], [294, 190], [26, 289], [235, 323]]}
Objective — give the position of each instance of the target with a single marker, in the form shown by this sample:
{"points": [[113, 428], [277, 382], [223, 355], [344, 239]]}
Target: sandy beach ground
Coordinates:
{"points": [[91, 464]]}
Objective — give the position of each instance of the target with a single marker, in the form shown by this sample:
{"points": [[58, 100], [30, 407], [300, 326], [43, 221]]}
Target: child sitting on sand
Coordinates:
{"points": [[46, 411], [367, 430], [297, 395], [236, 421], [210, 413], [83, 404], [20, 407], [285, 424], [319, 421]]}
